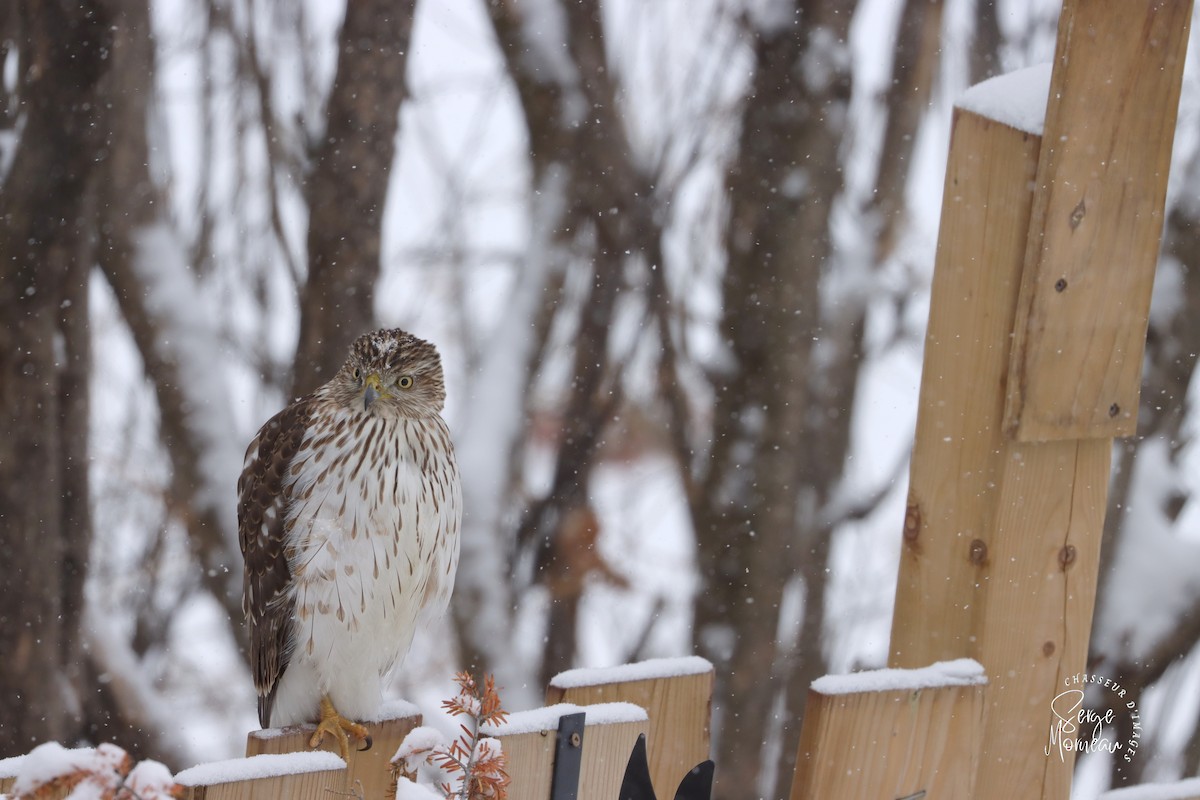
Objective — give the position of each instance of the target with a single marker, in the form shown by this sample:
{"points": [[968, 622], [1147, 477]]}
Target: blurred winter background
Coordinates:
{"points": [[676, 255]]}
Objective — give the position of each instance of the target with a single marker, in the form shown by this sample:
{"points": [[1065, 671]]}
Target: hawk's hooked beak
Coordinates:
{"points": [[373, 390]]}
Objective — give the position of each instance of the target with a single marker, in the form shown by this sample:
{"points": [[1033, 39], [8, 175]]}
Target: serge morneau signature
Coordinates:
{"points": [[1081, 730]]}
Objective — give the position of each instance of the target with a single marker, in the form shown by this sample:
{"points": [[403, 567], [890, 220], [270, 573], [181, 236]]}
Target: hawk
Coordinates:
{"points": [[348, 518]]}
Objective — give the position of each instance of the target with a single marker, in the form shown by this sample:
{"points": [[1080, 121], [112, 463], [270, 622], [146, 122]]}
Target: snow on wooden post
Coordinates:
{"points": [[677, 696], [892, 733], [1002, 533], [367, 771], [528, 739], [286, 776]]}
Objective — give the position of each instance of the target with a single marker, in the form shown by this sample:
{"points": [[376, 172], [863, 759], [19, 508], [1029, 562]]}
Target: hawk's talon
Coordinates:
{"points": [[367, 742], [340, 728]]}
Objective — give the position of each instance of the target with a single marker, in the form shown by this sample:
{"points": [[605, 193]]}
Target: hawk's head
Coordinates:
{"points": [[391, 373]]}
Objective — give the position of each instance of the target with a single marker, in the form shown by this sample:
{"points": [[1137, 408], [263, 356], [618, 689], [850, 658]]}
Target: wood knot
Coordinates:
{"points": [[912, 520], [1114, 410], [1048, 649], [979, 552], [1077, 214], [1066, 556]]}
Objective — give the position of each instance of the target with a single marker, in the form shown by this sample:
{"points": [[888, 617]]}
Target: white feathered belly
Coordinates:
{"points": [[374, 542]]}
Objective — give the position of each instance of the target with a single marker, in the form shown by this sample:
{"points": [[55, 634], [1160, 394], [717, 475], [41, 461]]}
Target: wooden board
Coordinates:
{"points": [[323, 783], [679, 708], [606, 750], [890, 744], [371, 768], [1097, 219], [958, 452], [1034, 619], [1001, 538]]}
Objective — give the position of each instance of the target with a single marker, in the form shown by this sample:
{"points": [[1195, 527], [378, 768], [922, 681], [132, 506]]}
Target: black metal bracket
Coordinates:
{"points": [[568, 757], [696, 785]]}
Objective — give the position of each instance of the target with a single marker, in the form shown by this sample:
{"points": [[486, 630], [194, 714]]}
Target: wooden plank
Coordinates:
{"points": [[1097, 219], [959, 447], [528, 739], [265, 777], [370, 768], [1034, 619], [1001, 538], [679, 706], [869, 744]]}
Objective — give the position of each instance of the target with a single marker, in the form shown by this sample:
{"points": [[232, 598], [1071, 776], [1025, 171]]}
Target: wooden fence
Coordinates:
{"points": [[668, 701], [1046, 255]]}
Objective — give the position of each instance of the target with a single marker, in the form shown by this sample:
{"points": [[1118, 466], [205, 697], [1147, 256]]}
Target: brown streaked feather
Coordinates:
{"points": [[262, 512]]}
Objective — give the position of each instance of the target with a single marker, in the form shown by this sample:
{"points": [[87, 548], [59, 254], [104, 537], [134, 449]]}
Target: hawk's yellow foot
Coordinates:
{"points": [[340, 728]]}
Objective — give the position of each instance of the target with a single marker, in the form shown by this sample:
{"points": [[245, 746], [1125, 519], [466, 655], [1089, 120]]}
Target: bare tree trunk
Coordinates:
{"points": [[348, 187], [576, 139], [914, 65], [43, 482], [755, 511], [128, 208], [985, 47]]}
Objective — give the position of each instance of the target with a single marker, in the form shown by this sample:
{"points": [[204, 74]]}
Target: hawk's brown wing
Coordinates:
{"points": [[262, 510]]}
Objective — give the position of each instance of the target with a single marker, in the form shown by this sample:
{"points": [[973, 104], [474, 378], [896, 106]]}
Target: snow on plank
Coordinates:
{"points": [[611, 730], [892, 733], [959, 672], [677, 696], [370, 768], [259, 767], [1016, 99], [265, 777]]}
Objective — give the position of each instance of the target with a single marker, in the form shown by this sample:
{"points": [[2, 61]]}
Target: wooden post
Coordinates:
{"points": [[1097, 220], [1050, 247], [370, 769], [892, 733], [677, 696], [528, 739]]}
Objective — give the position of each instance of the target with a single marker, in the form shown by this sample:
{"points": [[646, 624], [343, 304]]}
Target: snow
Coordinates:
{"points": [[960, 672], [771, 17], [1180, 790], [1154, 583], [544, 30], [1017, 99], [191, 341], [388, 710], [546, 718], [10, 767], [651, 669], [47, 762], [394, 709], [261, 766], [418, 740], [407, 790], [149, 778]]}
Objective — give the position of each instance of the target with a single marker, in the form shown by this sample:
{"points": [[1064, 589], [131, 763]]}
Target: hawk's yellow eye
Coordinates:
{"points": [[405, 382], [357, 373]]}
